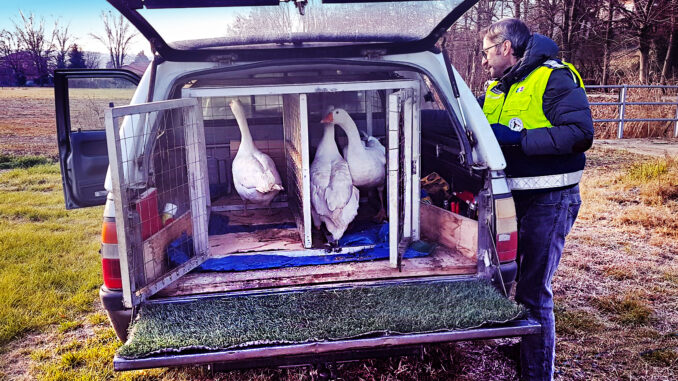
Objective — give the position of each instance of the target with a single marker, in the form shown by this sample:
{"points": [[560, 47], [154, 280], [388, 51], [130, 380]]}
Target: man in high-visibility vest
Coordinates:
{"points": [[539, 113]]}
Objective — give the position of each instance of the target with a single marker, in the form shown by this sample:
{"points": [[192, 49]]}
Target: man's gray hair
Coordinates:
{"points": [[510, 29]]}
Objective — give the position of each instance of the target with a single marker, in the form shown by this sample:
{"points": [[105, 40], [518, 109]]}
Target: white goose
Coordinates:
{"points": [[254, 175], [366, 159], [334, 199]]}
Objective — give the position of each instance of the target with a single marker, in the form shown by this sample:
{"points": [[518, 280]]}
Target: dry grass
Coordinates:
{"points": [[616, 290], [28, 122]]}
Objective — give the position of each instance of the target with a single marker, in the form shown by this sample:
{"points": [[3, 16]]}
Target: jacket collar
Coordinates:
{"points": [[539, 49]]}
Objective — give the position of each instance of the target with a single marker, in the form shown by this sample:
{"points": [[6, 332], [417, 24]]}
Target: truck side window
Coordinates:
{"points": [[89, 97]]}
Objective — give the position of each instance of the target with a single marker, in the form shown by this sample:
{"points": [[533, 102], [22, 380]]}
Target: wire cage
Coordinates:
{"points": [[284, 122], [159, 177]]}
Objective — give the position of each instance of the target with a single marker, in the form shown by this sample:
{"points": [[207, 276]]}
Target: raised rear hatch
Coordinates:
{"points": [[250, 30]]}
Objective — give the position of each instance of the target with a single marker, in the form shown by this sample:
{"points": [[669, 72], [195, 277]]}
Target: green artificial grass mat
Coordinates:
{"points": [[243, 321]]}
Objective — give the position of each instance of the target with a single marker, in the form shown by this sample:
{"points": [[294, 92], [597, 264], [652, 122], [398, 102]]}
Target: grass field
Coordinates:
{"points": [[616, 289]]}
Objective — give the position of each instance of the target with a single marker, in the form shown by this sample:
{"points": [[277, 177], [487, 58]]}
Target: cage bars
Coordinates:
{"points": [[177, 179]]}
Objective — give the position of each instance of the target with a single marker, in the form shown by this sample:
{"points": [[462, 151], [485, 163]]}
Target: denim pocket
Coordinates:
{"points": [[573, 207], [549, 198]]}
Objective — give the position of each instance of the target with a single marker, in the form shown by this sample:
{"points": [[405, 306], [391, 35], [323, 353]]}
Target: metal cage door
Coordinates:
{"points": [[158, 173]]}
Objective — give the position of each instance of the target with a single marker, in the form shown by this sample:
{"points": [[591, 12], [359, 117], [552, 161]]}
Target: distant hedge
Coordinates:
{"points": [[10, 161]]}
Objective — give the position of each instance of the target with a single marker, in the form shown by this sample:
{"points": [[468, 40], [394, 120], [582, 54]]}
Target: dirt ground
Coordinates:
{"points": [[653, 146]]}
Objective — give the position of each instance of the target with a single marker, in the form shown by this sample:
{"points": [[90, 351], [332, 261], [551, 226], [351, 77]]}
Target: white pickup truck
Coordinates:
{"points": [[178, 241]]}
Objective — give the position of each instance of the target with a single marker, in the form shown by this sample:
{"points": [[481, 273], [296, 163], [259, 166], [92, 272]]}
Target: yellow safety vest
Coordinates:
{"points": [[522, 106]]}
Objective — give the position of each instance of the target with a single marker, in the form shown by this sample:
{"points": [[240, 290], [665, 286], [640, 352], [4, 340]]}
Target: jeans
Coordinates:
{"points": [[544, 219]]}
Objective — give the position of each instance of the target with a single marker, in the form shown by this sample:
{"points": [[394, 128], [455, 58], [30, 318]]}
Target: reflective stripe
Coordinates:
{"points": [[544, 182], [109, 251]]}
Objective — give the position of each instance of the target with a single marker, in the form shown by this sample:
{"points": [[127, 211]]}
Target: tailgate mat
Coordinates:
{"points": [[214, 324]]}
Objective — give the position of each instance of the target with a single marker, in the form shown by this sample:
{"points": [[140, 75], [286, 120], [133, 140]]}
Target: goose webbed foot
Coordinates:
{"points": [[381, 216], [332, 244]]}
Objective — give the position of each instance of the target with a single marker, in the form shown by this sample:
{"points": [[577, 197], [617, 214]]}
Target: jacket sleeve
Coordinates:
{"points": [[567, 108]]}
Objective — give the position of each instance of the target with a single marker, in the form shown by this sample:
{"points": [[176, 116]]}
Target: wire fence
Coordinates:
{"points": [[627, 105]]}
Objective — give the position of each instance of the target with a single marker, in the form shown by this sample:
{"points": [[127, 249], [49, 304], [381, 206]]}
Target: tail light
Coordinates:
{"points": [[110, 260], [507, 229]]}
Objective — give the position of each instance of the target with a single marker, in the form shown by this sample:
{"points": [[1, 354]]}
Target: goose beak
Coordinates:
{"points": [[328, 119]]}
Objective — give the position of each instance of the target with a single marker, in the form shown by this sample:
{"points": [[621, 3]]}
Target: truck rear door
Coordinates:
{"points": [[80, 98]]}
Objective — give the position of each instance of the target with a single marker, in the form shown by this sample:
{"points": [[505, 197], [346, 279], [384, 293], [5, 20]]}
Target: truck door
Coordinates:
{"points": [[80, 98]]}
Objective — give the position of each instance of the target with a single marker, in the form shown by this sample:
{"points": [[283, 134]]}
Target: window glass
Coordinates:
{"points": [[186, 28], [88, 99]]}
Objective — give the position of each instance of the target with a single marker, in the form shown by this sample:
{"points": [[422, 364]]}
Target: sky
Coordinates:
{"points": [[81, 16]]}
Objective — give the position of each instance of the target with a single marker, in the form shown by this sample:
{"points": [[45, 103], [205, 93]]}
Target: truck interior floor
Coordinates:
{"points": [[442, 261]]}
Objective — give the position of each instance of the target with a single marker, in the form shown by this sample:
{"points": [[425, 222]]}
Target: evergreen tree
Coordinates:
{"points": [[76, 58]]}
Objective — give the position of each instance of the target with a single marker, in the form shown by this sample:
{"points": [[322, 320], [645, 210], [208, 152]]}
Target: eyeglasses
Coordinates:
{"points": [[484, 51]]}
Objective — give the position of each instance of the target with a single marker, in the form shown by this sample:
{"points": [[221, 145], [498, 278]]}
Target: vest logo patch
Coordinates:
{"points": [[520, 89], [515, 124]]}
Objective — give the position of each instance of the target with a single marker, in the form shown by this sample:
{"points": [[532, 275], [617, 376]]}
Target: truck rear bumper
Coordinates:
{"points": [[119, 316], [303, 354]]}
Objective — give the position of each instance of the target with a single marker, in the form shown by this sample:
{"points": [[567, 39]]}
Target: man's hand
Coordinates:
{"points": [[505, 136]]}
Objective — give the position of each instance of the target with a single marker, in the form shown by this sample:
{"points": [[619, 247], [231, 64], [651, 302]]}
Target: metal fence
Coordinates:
{"points": [[622, 102]]}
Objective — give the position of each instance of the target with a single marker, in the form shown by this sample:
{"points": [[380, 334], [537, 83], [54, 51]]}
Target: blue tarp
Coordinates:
{"points": [[361, 234]]}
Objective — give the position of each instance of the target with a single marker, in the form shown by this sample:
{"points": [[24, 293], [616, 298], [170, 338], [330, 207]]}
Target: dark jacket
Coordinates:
{"points": [[558, 149]]}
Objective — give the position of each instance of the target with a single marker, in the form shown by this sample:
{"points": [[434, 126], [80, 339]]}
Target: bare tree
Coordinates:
{"points": [[643, 19], [31, 37], [63, 42], [92, 60], [9, 55], [607, 43], [672, 39], [118, 35]]}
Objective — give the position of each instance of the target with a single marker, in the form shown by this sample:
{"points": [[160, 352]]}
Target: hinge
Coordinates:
{"points": [[373, 54], [414, 167], [226, 59], [471, 138]]}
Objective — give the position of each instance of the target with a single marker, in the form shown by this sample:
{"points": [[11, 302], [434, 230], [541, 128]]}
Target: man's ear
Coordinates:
{"points": [[506, 48]]}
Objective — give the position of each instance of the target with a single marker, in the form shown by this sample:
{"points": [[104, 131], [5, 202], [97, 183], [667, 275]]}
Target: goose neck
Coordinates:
{"points": [[327, 142], [245, 135], [351, 131]]}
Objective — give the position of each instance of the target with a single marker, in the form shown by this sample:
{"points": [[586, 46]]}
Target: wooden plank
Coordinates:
{"points": [[196, 161], [407, 165], [261, 240], [450, 229], [295, 130], [155, 247], [443, 261], [305, 170], [262, 216], [416, 166], [392, 177]]}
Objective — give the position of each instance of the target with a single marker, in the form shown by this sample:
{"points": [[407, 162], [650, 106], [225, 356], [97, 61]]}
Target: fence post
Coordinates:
{"points": [[675, 123], [622, 107]]}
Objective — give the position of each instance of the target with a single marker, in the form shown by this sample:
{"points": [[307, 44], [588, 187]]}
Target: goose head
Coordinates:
{"points": [[338, 116]]}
